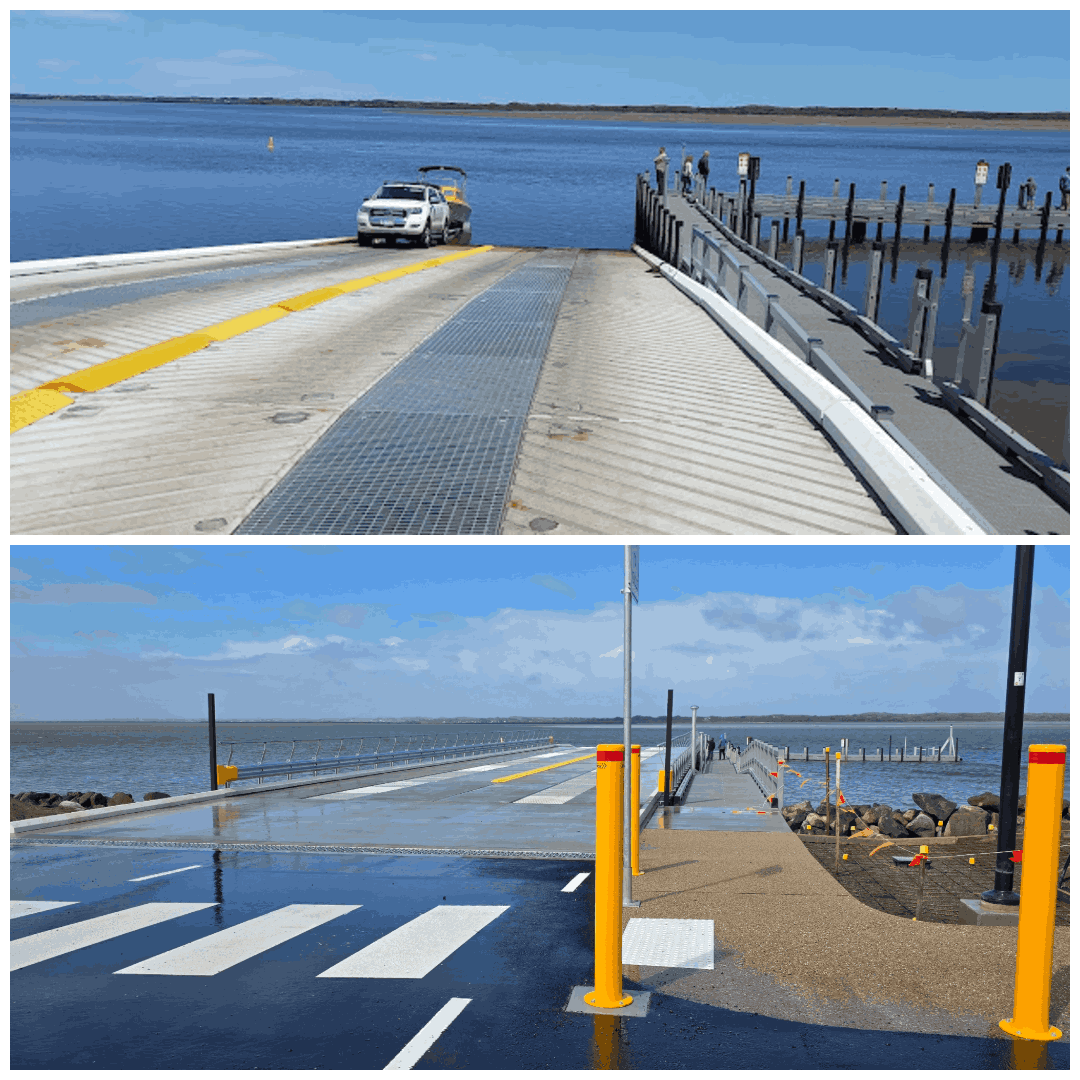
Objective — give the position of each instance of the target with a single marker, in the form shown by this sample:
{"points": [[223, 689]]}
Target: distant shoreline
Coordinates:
{"points": [[890, 718], [641, 114]]}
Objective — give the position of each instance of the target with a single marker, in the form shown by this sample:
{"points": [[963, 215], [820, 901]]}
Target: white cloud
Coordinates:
{"points": [[614, 652], [57, 65], [411, 665], [860, 641], [392, 641], [468, 659]]}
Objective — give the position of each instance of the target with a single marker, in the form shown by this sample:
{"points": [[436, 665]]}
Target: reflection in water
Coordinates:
{"points": [[606, 1043], [1028, 1054], [219, 892]]}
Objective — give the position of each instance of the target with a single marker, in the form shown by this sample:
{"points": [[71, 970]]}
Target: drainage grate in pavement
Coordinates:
{"points": [[431, 448]]}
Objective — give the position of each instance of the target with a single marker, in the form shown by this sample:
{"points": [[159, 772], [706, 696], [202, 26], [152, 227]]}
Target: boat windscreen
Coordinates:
{"points": [[400, 191]]}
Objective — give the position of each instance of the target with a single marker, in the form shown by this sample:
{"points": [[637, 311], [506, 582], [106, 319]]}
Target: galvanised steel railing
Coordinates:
{"points": [[761, 760], [379, 752]]}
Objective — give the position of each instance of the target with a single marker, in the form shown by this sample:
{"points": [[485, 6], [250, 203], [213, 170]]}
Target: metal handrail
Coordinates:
{"points": [[761, 761], [416, 749]]}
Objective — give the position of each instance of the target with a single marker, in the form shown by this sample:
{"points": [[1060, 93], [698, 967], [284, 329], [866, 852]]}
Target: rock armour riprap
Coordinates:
{"points": [[967, 821], [978, 815], [35, 803]]}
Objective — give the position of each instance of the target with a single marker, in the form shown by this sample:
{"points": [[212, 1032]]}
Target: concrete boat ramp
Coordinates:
{"points": [[322, 388], [438, 916]]}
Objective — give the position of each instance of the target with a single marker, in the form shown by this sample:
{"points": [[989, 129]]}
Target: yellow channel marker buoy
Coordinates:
{"points": [[270, 144]]}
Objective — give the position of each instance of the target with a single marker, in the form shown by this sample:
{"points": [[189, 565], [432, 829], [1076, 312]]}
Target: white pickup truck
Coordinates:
{"points": [[418, 212]]}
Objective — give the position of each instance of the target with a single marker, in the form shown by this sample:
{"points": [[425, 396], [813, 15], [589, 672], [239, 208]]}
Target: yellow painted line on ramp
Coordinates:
{"points": [[30, 406], [543, 768]]}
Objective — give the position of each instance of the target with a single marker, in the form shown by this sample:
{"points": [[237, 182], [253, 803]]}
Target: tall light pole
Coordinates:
{"points": [[630, 594]]}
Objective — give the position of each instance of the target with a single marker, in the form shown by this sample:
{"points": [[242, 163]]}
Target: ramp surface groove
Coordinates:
{"points": [[648, 418], [431, 448]]}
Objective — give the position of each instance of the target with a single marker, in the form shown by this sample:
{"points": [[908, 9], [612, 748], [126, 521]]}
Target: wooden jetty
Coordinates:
{"points": [[921, 755], [856, 215], [893, 382]]}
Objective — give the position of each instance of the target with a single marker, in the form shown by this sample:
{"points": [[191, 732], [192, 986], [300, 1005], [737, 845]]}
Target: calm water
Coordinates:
{"points": [[95, 178], [139, 756]]}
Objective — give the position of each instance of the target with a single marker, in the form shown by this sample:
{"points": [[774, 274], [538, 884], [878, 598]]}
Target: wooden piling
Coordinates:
{"points": [[787, 194], [873, 281], [949, 210], [829, 284], [801, 203], [774, 238], [899, 226], [1044, 225], [849, 212], [797, 251]]}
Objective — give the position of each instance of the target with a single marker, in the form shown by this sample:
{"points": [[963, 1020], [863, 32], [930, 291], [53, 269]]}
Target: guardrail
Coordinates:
{"points": [[966, 390], [761, 761], [384, 752]]}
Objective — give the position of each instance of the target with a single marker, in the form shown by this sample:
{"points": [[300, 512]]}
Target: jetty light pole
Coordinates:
{"points": [[630, 594], [1015, 684]]}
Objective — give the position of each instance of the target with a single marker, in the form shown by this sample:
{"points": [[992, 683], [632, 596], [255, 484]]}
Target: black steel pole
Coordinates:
{"points": [[1002, 892], [667, 752], [212, 724]]}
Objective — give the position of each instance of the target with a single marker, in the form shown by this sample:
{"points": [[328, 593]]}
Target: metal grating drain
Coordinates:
{"points": [[431, 448]]}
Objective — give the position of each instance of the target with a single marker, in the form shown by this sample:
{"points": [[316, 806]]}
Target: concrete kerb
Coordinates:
{"points": [[134, 258], [911, 495], [108, 813]]}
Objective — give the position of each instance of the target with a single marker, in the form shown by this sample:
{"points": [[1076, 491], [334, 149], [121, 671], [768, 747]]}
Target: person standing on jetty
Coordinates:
{"points": [[687, 174], [661, 163], [703, 170]]}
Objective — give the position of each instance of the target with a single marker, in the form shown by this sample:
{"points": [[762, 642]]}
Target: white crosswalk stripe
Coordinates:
{"points": [[428, 1035], [418, 947], [230, 947], [31, 907], [64, 939], [574, 882]]}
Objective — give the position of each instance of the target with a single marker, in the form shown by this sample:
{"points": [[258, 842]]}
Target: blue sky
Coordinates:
{"points": [[496, 630], [976, 59]]}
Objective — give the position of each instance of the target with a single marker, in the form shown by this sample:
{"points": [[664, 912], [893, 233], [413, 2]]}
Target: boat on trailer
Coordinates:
{"points": [[451, 182]]}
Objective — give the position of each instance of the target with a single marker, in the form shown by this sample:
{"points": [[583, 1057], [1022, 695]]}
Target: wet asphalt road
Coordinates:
{"points": [[271, 1011]]}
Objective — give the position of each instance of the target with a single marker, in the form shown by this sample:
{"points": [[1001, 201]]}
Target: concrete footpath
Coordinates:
{"points": [[431, 917]]}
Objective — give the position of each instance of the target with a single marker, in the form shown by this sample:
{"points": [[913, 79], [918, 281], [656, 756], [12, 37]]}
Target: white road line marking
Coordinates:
{"points": [[575, 883], [30, 907], [166, 873], [227, 948], [418, 947], [397, 785], [685, 943], [64, 939], [425, 1038]]}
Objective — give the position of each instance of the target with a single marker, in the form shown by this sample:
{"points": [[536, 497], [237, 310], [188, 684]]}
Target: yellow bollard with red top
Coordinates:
{"points": [[1038, 895], [607, 990], [635, 809]]}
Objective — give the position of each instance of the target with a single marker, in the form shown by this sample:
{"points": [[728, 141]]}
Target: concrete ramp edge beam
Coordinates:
{"points": [[911, 495], [134, 258], [104, 813]]}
